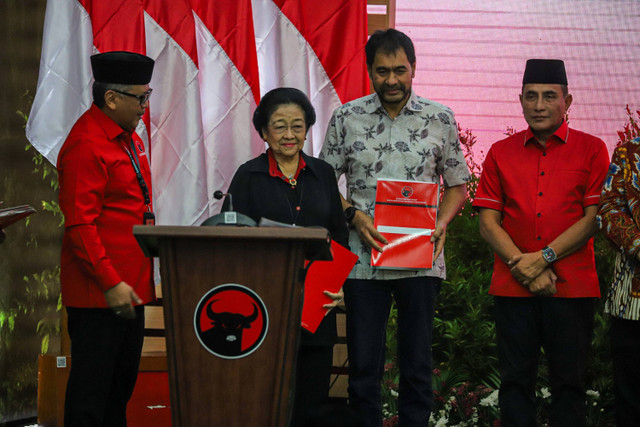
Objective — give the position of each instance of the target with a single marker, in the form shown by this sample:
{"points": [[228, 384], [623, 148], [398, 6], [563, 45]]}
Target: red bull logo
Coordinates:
{"points": [[231, 321]]}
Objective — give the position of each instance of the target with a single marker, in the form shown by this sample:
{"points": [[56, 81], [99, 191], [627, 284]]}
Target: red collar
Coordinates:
{"points": [[111, 128], [275, 171], [561, 134]]}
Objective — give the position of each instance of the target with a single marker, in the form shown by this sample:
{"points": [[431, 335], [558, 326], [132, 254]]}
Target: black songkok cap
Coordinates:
{"points": [[121, 67], [550, 71]]}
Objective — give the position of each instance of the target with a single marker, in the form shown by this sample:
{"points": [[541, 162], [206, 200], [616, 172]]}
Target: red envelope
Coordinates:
{"points": [[325, 276], [405, 214]]}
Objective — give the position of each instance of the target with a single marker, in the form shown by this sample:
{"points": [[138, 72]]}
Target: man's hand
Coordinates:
{"points": [[545, 284], [367, 232], [452, 200], [337, 298], [437, 238], [121, 298], [528, 266]]}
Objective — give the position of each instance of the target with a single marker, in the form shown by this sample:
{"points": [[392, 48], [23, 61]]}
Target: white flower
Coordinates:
{"points": [[475, 417], [491, 400], [393, 393], [442, 422], [593, 393], [544, 392]]}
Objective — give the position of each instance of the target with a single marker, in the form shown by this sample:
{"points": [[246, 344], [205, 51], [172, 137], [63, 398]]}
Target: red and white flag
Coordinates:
{"points": [[214, 59]]}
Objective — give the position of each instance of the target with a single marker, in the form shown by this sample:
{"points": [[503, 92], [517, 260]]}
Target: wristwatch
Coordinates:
{"points": [[549, 254], [350, 213]]}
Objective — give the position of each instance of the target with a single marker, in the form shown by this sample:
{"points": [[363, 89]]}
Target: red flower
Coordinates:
{"points": [[391, 422]]}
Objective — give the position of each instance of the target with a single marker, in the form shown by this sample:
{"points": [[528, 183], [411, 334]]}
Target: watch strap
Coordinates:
{"points": [[350, 213]]}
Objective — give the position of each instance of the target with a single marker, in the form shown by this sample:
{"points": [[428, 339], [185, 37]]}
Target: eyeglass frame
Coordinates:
{"points": [[282, 129], [141, 98]]}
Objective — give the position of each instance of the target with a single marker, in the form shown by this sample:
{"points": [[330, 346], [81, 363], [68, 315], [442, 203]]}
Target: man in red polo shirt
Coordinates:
{"points": [[537, 198], [105, 189]]}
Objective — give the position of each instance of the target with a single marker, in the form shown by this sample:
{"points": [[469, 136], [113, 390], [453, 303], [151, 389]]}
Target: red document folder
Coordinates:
{"points": [[325, 276], [405, 214]]}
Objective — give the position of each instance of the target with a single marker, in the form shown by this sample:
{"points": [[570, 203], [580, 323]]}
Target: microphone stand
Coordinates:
{"points": [[229, 217]]}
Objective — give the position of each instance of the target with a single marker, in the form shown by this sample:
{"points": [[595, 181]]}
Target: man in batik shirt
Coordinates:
{"points": [[393, 134], [619, 219]]}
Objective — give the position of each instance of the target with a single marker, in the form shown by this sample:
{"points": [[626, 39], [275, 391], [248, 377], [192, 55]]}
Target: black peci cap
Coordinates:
{"points": [[122, 68], [549, 71]]}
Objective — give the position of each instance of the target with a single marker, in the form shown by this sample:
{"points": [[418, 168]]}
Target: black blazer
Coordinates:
{"points": [[258, 194]]}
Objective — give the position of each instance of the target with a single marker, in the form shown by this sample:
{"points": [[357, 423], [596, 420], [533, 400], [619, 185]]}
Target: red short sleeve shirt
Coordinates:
{"points": [[541, 192]]}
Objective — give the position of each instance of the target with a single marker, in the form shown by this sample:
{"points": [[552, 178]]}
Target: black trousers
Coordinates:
{"points": [[313, 373], [368, 304], [105, 357], [564, 328], [625, 348]]}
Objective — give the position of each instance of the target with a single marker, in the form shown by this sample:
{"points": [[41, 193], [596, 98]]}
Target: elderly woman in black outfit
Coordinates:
{"points": [[286, 185]]}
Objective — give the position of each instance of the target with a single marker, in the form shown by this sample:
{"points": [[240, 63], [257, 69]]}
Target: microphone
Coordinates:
{"points": [[229, 217], [219, 195]]}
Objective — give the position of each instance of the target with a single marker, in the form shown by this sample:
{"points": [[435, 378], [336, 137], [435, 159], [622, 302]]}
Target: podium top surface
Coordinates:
{"points": [[316, 239]]}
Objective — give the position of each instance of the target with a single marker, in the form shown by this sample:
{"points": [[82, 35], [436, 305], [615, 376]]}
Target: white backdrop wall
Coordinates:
{"points": [[471, 54]]}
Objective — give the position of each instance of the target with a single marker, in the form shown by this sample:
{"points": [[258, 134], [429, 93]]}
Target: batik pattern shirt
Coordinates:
{"points": [[619, 218], [364, 143], [619, 213]]}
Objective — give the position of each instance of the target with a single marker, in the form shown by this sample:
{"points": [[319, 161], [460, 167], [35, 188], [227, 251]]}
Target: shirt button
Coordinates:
{"points": [[542, 173], [539, 238], [540, 193], [539, 214], [544, 154]]}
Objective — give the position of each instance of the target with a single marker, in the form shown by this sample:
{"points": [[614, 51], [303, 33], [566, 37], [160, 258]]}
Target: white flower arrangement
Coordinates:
{"points": [[544, 392], [442, 421], [593, 394], [491, 400]]}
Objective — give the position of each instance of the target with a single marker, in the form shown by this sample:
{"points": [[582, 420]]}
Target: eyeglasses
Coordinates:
{"points": [[142, 98], [281, 129]]}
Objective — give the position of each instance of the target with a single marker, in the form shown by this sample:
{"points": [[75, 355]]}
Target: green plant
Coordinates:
{"points": [[46, 284], [464, 332], [35, 309]]}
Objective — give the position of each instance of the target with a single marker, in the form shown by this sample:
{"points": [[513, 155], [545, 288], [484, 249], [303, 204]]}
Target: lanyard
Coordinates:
{"points": [[136, 169]]}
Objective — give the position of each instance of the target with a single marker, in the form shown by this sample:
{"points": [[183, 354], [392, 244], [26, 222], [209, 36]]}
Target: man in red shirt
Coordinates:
{"points": [[537, 198], [105, 189]]}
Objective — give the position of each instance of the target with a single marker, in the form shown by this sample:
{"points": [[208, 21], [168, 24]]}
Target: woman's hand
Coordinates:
{"points": [[337, 298]]}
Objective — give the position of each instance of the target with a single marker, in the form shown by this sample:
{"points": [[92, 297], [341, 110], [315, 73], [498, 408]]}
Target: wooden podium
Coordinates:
{"points": [[249, 281]]}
